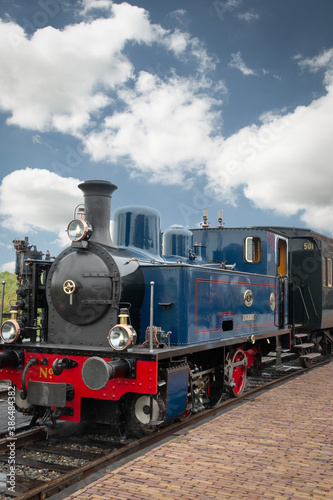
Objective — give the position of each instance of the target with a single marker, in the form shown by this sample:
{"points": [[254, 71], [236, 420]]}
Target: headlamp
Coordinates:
{"points": [[121, 337], [10, 331], [78, 230]]}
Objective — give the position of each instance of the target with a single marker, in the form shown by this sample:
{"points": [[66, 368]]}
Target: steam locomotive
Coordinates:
{"points": [[135, 332]]}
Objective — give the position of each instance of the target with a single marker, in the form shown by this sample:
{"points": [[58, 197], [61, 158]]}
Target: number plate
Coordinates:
{"points": [[247, 317]]}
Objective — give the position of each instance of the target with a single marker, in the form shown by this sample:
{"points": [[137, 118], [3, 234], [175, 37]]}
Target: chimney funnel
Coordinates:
{"points": [[97, 200]]}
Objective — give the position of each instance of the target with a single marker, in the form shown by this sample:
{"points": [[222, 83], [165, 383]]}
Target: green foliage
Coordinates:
{"points": [[10, 289]]}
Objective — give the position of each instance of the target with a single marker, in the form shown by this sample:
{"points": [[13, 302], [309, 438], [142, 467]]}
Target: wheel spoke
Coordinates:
{"points": [[237, 370]]}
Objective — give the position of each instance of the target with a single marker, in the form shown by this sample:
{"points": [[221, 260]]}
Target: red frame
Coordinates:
{"points": [[145, 381]]}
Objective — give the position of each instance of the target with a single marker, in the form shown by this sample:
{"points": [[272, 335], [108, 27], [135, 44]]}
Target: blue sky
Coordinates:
{"points": [[183, 105]]}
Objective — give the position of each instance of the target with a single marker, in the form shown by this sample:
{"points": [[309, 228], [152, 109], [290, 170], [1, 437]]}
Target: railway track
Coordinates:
{"points": [[47, 463]]}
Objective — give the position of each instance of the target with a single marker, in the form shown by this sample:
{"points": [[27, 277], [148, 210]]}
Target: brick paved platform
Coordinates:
{"points": [[277, 446]]}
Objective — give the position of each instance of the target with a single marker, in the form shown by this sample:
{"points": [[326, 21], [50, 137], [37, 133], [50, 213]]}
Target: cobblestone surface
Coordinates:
{"points": [[278, 446]]}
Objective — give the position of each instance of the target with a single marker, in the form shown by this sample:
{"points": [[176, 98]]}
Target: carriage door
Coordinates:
{"points": [[281, 272], [282, 257]]}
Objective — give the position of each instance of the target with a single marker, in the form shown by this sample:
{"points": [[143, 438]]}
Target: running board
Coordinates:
{"points": [[306, 345], [310, 355]]}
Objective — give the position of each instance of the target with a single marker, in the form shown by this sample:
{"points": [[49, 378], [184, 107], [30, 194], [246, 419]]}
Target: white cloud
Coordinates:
{"points": [[285, 164], [204, 60], [8, 266], [321, 61], [165, 131], [64, 79], [238, 63], [36, 199], [59, 79], [178, 42], [89, 5]]}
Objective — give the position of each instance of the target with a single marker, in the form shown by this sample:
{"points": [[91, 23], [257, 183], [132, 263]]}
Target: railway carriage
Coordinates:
{"points": [[130, 332], [310, 290]]}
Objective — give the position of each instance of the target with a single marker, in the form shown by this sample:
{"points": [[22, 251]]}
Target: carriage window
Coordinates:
{"points": [[329, 272], [252, 249]]}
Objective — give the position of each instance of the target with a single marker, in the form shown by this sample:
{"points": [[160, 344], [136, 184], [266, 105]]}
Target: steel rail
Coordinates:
{"points": [[23, 438]]}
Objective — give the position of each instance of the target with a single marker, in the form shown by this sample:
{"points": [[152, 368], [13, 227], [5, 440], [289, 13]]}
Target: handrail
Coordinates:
{"points": [[313, 304], [279, 311], [302, 297]]}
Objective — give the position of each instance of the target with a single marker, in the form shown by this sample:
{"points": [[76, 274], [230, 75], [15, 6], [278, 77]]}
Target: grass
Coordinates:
{"points": [[10, 289]]}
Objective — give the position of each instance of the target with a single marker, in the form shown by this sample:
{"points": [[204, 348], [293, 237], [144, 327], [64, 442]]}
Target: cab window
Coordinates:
{"points": [[252, 249]]}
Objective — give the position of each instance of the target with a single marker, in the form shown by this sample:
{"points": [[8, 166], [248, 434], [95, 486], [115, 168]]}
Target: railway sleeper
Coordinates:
{"points": [[22, 485]]}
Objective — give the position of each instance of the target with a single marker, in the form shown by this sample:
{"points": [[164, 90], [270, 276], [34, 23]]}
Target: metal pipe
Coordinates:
{"points": [[2, 299], [119, 368], [151, 316], [97, 201], [31, 362]]}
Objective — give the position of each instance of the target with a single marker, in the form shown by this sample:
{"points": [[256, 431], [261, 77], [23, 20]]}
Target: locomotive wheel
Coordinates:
{"points": [[236, 372], [138, 419], [305, 363], [185, 415]]}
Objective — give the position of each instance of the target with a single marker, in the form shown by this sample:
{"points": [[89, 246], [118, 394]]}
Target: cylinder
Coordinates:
{"points": [[97, 201]]}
